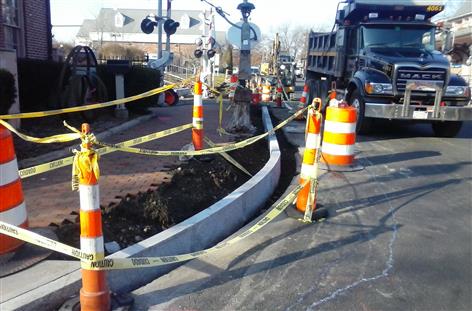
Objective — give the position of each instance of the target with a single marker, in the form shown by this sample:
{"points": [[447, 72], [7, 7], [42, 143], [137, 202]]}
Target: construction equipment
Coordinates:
{"points": [[281, 66]]}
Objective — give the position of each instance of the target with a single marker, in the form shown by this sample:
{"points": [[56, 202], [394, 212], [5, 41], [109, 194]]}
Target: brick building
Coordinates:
{"points": [[25, 26], [25, 32]]}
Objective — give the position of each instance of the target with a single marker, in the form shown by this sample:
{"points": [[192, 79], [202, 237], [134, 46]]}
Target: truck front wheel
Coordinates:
{"points": [[363, 124], [446, 128]]}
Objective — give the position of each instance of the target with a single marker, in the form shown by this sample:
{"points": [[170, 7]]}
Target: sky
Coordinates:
{"points": [[267, 15]]}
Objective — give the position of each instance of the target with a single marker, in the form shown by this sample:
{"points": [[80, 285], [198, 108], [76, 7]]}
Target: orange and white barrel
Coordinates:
{"points": [[266, 92], [94, 294], [12, 204], [339, 136], [197, 120], [309, 164]]}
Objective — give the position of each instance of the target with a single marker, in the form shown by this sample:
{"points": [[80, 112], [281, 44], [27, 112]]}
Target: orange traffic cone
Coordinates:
{"points": [[278, 98], [309, 165], [12, 204], [302, 102]]}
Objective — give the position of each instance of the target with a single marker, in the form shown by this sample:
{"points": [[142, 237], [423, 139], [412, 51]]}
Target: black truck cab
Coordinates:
{"points": [[383, 56]]}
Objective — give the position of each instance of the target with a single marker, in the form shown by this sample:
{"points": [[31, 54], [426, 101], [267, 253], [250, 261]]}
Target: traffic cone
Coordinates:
{"points": [[12, 204], [278, 98], [309, 164], [94, 294], [197, 121], [302, 102]]}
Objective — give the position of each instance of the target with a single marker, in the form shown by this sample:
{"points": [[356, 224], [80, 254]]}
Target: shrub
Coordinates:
{"points": [[37, 81], [7, 91], [138, 80], [120, 51]]}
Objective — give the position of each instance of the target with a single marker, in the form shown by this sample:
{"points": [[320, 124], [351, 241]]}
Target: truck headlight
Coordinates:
{"points": [[463, 91], [378, 88]]}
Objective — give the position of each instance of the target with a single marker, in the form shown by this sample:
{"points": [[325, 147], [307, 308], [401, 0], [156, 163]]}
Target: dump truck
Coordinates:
{"points": [[381, 56]]}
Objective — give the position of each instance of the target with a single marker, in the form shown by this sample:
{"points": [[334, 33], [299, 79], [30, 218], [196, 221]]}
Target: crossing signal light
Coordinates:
{"points": [[211, 53], [198, 53], [211, 47], [147, 25], [170, 26]]}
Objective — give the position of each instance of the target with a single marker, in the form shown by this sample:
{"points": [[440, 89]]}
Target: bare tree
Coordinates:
{"points": [[293, 39]]}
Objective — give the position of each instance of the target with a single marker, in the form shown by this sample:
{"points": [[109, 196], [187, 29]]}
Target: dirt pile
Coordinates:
{"points": [[194, 186]]}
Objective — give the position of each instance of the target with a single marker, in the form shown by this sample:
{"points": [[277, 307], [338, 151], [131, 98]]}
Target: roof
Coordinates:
{"points": [[463, 10], [105, 22]]}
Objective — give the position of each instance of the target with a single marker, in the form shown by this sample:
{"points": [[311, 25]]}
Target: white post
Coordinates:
{"points": [[120, 111]]}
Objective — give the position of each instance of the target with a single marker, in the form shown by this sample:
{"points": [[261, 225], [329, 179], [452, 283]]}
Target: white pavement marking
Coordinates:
{"points": [[388, 264]]}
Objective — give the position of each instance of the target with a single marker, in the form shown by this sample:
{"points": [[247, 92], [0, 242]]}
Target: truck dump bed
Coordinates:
{"points": [[322, 53]]}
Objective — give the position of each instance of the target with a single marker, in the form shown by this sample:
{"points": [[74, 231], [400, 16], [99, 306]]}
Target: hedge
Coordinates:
{"points": [[7, 91], [138, 80], [39, 80]]}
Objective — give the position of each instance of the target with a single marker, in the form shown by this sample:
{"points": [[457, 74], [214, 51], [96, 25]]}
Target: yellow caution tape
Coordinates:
{"points": [[60, 138], [228, 157], [46, 167], [86, 107], [220, 128], [212, 150], [142, 262], [89, 262], [39, 240], [85, 162]]}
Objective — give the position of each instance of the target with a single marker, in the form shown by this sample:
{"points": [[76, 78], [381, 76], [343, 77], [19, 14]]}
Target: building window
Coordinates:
{"points": [[11, 24]]}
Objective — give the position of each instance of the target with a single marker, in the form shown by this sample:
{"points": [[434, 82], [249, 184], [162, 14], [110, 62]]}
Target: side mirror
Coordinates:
{"points": [[448, 41]]}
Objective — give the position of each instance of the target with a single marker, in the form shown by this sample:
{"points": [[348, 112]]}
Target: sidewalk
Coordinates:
{"points": [[49, 198]]}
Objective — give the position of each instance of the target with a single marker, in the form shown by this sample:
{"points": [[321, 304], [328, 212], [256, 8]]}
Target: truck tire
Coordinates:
{"points": [[324, 88], [363, 124], [312, 90], [446, 128]]}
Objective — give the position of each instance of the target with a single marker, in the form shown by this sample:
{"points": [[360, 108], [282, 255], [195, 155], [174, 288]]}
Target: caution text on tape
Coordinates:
{"points": [[45, 167], [89, 262]]}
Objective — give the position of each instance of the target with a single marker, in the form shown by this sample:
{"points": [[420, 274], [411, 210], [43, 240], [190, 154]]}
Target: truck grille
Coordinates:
{"points": [[406, 74]]}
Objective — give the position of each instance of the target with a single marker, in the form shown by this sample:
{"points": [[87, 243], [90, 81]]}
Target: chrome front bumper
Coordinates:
{"points": [[408, 111], [417, 112]]}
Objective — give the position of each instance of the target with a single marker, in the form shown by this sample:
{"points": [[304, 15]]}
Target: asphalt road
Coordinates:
{"points": [[399, 238]]}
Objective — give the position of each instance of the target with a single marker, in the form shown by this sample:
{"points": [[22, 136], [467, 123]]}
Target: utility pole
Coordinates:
{"points": [[205, 61], [159, 30], [245, 51], [169, 7]]}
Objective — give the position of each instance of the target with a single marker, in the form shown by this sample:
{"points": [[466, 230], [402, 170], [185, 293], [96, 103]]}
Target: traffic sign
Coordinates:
{"points": [[233, 35]]}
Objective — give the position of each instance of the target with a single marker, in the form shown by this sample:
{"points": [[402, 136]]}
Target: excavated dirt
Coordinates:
{"points": [[194, 186]]}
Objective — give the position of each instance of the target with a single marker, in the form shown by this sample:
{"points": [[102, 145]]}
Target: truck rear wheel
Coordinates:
{"points": [[363, 124], [312, 90], [446, 128]]}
